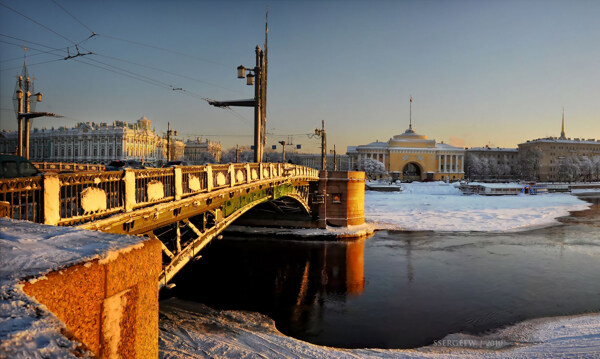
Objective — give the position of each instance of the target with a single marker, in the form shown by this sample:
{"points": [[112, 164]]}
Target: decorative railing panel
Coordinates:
{"points": [[67, 167], [24, 196], [154, 185], [194, 179], [90, 195], [221, 177]]}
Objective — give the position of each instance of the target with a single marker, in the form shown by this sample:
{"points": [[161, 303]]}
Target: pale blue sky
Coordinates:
{"points": [[480, 72]]}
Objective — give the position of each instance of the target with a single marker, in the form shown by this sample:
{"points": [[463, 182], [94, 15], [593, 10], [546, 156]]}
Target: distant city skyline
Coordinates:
{"points": [[480, 73]]}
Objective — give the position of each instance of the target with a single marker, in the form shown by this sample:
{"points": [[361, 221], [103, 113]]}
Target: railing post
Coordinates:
{"points": [[129, 179], [260, 171], [209, 178], [51, 186], [231, 172], [248, 173], [178, 179]]}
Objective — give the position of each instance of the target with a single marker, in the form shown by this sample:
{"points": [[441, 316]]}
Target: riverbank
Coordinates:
{"points": [[191, 330]]}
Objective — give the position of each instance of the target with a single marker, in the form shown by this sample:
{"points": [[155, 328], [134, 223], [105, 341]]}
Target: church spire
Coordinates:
{"points": [[562, 132]]}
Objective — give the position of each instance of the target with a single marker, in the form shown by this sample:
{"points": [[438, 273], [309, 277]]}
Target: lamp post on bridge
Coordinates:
{"points": [[321, 133], [23, 98], [283, 143], [256, 76], [335, 164]]}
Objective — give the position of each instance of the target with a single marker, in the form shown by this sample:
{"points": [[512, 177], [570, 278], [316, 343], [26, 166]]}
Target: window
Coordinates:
{"points": [[336, 197]]}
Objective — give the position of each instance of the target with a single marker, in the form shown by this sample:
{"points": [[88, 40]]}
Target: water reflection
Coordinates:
{"points": [[403, 289], [289, 280]]}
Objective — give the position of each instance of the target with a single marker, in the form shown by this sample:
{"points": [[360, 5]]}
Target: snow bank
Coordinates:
{"points": [[28, 251], [441, 207], [192, 330]]}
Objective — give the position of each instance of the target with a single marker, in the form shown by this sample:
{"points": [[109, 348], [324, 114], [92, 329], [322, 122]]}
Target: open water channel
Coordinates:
{"points": [[403, 289]]}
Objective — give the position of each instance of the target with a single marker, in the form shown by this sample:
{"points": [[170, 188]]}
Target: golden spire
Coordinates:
{"points": [[562, 132]]}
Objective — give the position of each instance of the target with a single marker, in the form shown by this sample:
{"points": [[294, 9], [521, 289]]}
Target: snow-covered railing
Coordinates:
{"points": [[67, 167], [72, 198]]}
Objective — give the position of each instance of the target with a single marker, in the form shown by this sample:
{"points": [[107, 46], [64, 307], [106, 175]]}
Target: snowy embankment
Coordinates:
{"points": [[441, 207], [28, 251], [191, 330]]}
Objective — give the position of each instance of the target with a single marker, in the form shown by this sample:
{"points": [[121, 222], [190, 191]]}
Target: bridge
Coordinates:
{"points": [[184, 207]]}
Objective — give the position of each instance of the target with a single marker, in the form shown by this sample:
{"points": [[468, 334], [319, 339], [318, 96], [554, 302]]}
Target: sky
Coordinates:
{"points": [[481, 73]]}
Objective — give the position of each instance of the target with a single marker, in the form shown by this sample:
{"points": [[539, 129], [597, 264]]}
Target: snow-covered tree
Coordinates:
{"points": [[372, 168], [246, 155], [529, 163], [596, 167]]}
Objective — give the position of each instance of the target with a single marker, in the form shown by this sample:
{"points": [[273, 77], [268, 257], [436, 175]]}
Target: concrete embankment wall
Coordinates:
{"points": [[110, 305]]}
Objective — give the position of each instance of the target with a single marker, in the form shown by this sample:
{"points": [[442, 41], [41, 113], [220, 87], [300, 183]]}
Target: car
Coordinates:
{"points": [[175, 163], [12, 166], [119, 165]]}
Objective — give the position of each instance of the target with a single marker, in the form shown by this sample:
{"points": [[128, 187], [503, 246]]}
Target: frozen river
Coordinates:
{"points": [[402, 289]]}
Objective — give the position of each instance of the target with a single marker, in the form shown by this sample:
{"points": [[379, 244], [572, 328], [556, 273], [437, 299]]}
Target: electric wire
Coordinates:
{"points": [[166, 72], [34, 64], [31, 42], [160, 48], [38, 23], [73, 16]]}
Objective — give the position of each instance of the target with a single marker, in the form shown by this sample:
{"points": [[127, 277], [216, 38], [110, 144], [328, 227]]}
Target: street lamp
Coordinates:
{"points": [[258, 102], [241, 72]]}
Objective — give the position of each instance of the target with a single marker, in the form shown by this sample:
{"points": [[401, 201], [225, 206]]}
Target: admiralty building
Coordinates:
{"points": [[413, 157]]}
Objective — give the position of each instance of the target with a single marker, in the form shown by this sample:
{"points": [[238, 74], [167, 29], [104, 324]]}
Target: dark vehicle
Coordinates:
{"points": [[121, 165], [16, 166], [175, 163]]}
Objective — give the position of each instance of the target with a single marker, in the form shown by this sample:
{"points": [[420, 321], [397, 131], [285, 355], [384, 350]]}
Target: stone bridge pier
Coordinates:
{"points": [[335, 200]]}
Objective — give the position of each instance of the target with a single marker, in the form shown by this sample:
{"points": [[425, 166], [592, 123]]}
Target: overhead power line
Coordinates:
{"points": [[161, 48], [73, 16], [38, 23]]}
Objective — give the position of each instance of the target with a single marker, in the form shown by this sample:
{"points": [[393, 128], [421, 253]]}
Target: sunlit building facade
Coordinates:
{"points": [[196, 150], [413, 157], [90, 142]]}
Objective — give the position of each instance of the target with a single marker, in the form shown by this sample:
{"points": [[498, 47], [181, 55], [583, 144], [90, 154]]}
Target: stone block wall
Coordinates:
{"points": [[110, 305]]}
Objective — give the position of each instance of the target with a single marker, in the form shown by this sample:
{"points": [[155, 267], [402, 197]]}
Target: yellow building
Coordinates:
{"points": [[412, 157]]}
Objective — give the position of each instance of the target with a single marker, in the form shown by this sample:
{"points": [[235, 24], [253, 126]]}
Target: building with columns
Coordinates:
{"points": [[95, 143], [413, 157]]}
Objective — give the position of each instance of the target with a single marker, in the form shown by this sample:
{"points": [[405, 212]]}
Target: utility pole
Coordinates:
{"points": [[23, 97], [321, 133], [282, 143], [335, 166], [169, 133], [260, 97], [237, 154]]}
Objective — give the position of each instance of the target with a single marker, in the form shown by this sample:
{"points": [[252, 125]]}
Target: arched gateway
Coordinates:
{"points": [[411, 172]]}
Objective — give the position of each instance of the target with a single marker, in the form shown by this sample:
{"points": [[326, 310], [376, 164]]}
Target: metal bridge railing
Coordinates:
{"points": [[23, 197], [67, 167], [72, 198]]}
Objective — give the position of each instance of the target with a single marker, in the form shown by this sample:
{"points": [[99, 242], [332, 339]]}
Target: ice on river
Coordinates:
{"points": [[441, 207]]}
